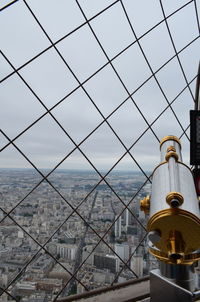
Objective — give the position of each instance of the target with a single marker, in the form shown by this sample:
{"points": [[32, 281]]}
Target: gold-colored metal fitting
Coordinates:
{"points": [[171, 154], [171, 148], [145, 204], [182, 245], [185, 259], [174, 196], [170, 138], [175, 245]]}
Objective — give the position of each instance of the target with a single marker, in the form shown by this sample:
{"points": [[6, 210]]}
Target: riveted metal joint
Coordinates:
{"points": [[145, 204]]}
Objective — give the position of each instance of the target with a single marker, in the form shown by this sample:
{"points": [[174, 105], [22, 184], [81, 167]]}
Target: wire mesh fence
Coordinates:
{"points": [[88, 90]]}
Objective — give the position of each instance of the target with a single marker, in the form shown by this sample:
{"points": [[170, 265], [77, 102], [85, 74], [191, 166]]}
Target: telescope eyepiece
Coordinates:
{"points": [[154, 236], [174, 199], [175, 203]]}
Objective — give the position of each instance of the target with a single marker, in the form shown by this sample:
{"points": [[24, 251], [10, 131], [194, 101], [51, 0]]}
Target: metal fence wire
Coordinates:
{"points": [[102, 29]]}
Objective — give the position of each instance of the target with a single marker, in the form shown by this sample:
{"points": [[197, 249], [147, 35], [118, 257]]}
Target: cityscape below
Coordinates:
{"points": [[73, 222], [71, 232]]}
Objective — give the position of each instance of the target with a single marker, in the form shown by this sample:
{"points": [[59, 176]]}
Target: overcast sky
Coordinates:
{"points": [[46, 144]]}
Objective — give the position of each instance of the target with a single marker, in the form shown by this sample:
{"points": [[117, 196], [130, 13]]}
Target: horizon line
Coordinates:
{"points": [[75, 170]]}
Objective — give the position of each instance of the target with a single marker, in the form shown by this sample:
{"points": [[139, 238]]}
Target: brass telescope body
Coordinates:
{"points": [[174, 222]]}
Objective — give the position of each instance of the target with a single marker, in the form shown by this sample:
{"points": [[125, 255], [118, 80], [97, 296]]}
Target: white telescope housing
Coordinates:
{"points": [[174, 224]]}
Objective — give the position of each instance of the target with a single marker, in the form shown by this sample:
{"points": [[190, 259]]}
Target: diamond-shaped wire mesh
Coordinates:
{"points": [[88, 89]]}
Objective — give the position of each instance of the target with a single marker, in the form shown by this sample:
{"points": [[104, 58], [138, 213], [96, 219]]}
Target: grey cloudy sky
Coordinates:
{"points": [[50, 79]]}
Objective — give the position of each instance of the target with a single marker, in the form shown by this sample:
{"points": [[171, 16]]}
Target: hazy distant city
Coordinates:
{"points": [[69, 222]]}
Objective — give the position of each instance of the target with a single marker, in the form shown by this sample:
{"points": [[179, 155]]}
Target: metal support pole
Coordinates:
{"points": [[197, 98], [170, 289]]}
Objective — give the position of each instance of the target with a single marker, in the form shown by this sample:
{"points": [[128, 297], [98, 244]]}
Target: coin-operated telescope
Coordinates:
{"points": [[173, 226]]}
